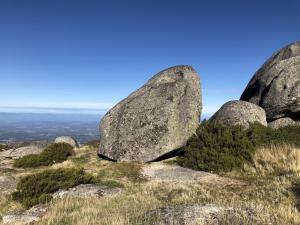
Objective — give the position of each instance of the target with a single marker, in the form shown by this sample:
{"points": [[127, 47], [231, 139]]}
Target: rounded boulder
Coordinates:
{"points": [[239, 113], [68, 140]]}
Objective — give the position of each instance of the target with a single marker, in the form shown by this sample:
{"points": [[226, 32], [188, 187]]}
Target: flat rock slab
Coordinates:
{"points": [[7, 184], [29, 216], [87, 191], [172, 173], [194, 214], [20, 152]]}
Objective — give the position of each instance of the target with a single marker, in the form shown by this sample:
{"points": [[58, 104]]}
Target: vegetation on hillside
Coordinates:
{"points": [[54, 153], [220, 148], [37, 188]]}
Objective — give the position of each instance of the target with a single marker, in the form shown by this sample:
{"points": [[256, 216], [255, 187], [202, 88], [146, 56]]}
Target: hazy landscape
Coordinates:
{"points": [[19, 127]]}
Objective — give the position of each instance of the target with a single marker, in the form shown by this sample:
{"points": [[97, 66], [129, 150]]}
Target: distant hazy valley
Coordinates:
{"points": [[16, 127]]}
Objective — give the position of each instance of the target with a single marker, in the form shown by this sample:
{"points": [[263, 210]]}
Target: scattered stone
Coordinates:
{"points": [[239, 113], [87, 191], [69, 140], [283, 122], [29, 216], [163, 172], [194, 214], [20, 152], [7, 184], [154, 120], [276, 85]]}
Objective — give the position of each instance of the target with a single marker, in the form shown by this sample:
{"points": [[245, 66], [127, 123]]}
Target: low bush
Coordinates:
{"points": [[4, 147], [218, 148], [266, 136], [38, 188], [54, 153]]}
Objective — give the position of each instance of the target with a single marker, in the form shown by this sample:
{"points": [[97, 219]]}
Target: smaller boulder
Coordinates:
{"points": [[87, 191], [7, 184], [20, 152], [29, 216], [66, 139], [283, 122], [239, 113], [195, 214]]}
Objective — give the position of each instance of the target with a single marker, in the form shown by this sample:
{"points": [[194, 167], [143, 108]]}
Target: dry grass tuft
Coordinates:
{"points": [[277, 159]]}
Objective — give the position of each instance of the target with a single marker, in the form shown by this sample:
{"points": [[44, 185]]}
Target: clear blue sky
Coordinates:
{"points": [[92, 54]]}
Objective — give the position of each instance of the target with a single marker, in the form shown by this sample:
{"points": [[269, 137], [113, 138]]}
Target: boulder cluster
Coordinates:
{"points": [[159, 118]]}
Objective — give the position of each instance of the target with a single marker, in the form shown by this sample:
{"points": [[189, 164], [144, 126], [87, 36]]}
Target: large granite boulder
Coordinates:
{"points": [[68, 140], [239, 113], [154, 120], [283, 122], [276, 85]]}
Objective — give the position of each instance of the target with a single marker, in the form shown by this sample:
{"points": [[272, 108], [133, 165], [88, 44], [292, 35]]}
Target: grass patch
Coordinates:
{"points": [[130, 171], [37, 188], [93, 143], [81, 160], [54, 153]]}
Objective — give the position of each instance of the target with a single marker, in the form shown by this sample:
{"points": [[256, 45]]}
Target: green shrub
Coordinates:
{"points": [[4, 147], [54, 153], [37, 188], [218, 148], [265, 136]]}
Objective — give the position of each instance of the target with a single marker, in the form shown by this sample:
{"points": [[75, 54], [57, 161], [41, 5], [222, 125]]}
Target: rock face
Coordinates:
{"points": [[69, 140], [162, 172], [276, 85], [154, 120], [7, 184], [20, 152], [195, 214], [87, 191], [29, 216], [283, 122], [239, 113]]}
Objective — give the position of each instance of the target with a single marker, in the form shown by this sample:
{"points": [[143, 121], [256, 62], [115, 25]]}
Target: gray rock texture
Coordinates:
{"points": [[29, 216], [7, 184], [239, 113], [66, 139], [162, 172], [20, 152], [194, 214], [276, 85], [154, 120], [87, 191], [283, 122]]}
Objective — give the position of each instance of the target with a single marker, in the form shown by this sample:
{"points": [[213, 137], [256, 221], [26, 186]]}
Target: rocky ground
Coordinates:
{"points": [[162, 193]]}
